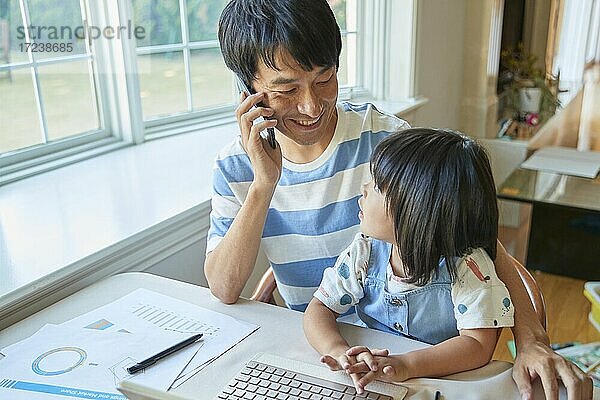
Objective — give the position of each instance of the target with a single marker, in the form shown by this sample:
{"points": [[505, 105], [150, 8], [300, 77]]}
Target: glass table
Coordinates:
{"points": [[565, 221]]}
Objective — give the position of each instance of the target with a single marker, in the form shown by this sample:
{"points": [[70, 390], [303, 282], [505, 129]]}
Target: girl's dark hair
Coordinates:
{"points": [[253, 30], [440, 193]]}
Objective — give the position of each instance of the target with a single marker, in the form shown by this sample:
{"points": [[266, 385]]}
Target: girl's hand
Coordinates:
{"points": [[365, 358], [341, 361], [389, 368], [265, 160]]}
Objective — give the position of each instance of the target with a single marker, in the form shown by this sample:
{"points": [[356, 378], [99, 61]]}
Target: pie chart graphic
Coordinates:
{"points": [[58, 361]]}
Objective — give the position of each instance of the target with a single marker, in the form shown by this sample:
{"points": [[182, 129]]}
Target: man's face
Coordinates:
{"points": [[303, 101]]}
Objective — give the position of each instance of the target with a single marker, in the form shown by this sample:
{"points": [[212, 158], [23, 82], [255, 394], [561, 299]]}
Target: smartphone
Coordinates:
{"points": [[270, 131]]}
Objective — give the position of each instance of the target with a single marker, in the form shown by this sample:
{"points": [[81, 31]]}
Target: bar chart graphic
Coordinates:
{"points": [[172, 321]]}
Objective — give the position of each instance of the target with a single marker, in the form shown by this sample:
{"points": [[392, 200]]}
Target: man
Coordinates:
{"points": [[300, 199]]}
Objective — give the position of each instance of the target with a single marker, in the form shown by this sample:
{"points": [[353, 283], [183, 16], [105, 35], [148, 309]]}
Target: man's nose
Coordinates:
{"points": [[309, 104]]}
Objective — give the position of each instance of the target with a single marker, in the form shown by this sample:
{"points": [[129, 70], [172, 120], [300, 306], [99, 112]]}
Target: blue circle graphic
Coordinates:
{"points": [[35, 366]]}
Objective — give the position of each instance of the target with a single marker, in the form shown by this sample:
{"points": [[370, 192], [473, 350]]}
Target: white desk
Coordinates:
{"points": [[280, 333]]}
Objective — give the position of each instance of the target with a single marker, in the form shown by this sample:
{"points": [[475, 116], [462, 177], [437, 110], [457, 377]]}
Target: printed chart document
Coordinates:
{"points": [[565, 160], [123, 332], [80, 363]]}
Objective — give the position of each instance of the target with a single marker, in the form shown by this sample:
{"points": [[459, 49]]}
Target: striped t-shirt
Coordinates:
{"points": [[313, 215]]}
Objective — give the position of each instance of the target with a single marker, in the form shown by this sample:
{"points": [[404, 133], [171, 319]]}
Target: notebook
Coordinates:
{"points": [[292, 378]]}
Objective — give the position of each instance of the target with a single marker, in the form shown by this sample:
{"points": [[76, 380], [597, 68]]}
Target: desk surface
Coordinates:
{"points": [[531, 186], [280, 333]]}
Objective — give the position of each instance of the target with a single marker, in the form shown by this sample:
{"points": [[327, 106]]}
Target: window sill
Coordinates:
{"points": [[121, 211]]}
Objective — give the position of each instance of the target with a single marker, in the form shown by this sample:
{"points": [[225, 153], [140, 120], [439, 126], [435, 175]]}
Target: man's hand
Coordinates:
{"points": [[265, 160], [537, 359]]}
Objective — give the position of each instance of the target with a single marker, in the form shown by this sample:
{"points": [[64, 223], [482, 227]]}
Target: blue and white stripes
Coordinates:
{"points": [[313, 215]]}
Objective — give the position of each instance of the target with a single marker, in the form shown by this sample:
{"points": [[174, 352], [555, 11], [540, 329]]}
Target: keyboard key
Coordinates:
{"points": [[316, 381], [316, 389], [229, 390], [264, 375], [261, 367], [285, 389], [285, 381], [252, 364], [249, 396], [274, 386], [282, 396], [326, 392], [315, 396], [264, 383], [279, 371], [262, 390], [251, 388]]}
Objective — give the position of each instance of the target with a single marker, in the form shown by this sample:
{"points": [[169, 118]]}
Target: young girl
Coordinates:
{"points": [[422, 267]]}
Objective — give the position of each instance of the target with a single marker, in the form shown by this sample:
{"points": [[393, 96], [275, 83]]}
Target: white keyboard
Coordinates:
{"points": [[271, 377]]}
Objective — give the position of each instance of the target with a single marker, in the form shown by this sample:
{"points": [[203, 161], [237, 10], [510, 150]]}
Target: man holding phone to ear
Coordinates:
{"points": [[299, 199]]}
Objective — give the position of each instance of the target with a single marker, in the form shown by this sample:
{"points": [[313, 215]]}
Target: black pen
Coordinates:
{"points": [[153, 359], [438, 395]]}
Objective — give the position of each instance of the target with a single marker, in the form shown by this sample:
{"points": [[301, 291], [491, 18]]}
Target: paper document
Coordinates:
{"points": [[86, 356], [144, 309], [564, 160], [80, 363]]}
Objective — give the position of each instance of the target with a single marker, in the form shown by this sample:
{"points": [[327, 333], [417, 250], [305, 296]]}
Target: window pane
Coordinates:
{"points": [[348, 59], [18, 112], [10, 40], [69, 99], [203, 17], [212, 82], [56, 22], [339, 10], [343, 69], [162, 87], [160, 20]]}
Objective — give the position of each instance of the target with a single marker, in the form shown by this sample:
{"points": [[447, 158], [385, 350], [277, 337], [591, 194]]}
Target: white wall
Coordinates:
{"points": [[439, 61]]}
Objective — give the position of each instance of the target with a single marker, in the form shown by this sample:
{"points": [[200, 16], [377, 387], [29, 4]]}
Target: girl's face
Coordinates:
{"points": [[374, 220]]}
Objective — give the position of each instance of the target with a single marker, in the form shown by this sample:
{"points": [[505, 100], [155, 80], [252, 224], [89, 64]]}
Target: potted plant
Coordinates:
{"points": [[529, 92]]}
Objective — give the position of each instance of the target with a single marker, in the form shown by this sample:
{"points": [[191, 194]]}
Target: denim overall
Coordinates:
{"points": [[425, 313]]}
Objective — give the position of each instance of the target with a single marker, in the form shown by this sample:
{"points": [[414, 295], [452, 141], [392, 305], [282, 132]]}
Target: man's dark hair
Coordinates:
{"points": [[255, 30], [440, 193]]}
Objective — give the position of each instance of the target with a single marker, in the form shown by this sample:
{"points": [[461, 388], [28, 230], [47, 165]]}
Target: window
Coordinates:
{"points": [[42, 79], [579, 43], [180, 66], [80, 77]]}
